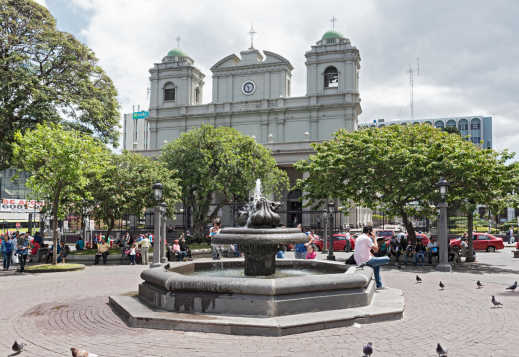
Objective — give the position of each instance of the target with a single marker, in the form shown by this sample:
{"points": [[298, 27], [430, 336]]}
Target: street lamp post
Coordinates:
{"points": [[444, 240], [331, 206], [325, 226], [157, 193], [163, 241]]}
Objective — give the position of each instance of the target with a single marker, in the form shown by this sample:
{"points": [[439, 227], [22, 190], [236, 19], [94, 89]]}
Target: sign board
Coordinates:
{"points": [[141, 115], [20, 205]]}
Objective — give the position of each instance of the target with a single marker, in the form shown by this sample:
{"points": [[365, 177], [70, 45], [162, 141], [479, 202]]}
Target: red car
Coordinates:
{"points": [[340, 243], [482, 241]]}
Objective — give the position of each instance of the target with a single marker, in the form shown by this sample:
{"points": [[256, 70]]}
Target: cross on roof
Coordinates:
{"points": [[332, 20], [178, 41], [252, 33]]}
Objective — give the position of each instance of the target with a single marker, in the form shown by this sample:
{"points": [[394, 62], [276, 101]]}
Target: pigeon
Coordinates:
{"points": [[440, 351], [80, 353], [18, 347], [478, 283], [512, 287], [495, 302], [166, 267], [418, 279], [442, 286], [368, 349]]}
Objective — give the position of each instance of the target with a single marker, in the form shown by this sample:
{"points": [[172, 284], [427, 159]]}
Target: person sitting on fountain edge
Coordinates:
{"points": [[363, 246]]}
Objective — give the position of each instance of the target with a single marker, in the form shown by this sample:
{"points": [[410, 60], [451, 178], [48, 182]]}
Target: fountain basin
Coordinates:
{"points": [[331, 287]]}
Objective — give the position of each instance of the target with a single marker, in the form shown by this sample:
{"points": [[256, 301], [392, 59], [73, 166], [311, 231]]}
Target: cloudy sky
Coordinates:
{"points": [[468, 50]]}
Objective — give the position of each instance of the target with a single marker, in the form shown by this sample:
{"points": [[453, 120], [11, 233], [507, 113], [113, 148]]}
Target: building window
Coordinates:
{"points": [[331, 77], [475, 124], [451, 124], [197, 95], [476, 140], [288, 87], [169, 92], [463, 125], [439, 124], [330, 40], [428, 122]]}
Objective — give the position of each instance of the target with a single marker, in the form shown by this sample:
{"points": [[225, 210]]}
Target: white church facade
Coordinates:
{"points": [[252, 93]]}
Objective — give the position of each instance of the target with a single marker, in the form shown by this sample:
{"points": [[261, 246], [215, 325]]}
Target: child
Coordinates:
{"points": [[132, 254], [281, 253], [310, 253]]}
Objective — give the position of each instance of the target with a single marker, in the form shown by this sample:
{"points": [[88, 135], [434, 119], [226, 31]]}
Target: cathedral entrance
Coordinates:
{"points": [[294, 208]]}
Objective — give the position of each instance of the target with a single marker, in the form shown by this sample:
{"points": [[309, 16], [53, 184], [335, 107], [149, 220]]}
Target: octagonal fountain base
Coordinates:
{"points": [[306, 296]]}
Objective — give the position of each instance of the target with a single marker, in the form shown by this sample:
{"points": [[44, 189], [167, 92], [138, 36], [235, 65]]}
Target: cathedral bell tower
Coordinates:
{"points": [[175, 82], [332, 67]]}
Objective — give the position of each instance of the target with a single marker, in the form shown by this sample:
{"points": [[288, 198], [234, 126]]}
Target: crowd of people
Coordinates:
{"points": [[19, 249]]}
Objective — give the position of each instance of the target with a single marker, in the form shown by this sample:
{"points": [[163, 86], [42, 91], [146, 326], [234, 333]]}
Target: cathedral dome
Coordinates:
{"points": [[176, 53], [331, 35]]}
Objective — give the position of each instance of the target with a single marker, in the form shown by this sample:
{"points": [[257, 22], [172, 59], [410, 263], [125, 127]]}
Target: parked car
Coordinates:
{"points": [[340, 243], [482, 241]]}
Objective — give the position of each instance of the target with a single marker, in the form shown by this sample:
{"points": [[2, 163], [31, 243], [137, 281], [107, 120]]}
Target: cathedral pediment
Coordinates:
{"points": [[251, 57]]}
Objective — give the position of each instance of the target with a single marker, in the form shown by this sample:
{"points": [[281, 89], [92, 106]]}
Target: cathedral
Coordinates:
{"points": [[252, 93]]}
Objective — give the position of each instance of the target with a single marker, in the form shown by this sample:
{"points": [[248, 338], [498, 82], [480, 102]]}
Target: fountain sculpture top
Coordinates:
{"points": [[260, 212]]}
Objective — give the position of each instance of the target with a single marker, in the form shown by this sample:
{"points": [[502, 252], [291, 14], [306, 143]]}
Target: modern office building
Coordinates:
{"points": [[476, 128], [252, 93]]}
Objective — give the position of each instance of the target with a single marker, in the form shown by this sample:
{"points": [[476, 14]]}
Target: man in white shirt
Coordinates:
{"points": [[362, 254]]}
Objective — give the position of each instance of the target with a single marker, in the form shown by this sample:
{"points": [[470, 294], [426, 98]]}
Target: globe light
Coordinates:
{"points": [[157, 191]]}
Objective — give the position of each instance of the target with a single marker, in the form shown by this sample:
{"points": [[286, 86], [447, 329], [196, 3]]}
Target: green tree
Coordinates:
{"points": [[484, 177], [219, 166], [395, 167], [60, 163], [48, 76], [125, 187]]}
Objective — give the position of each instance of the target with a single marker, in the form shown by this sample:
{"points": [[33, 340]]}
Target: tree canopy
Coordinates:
{"points": [[218, 166], [48, 76], [396, 168], [61, 164], [125, 187]]}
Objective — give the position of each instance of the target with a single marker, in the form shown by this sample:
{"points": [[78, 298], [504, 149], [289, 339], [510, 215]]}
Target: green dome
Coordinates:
{"points": [[331, 34], [176, 53]]}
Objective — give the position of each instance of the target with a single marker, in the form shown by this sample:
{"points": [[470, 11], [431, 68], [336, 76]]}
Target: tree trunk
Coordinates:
{"points": [[110, 222], [411, 235], [470, 248]]}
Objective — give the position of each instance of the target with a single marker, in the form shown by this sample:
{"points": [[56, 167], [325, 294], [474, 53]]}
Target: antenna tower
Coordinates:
{"points": [[411, 85]]}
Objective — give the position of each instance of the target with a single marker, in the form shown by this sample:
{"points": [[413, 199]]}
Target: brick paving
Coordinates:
{"points": [[52, 312]]}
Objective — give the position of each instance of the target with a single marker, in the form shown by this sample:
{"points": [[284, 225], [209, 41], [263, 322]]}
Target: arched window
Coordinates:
{"points": [[451, 123], [416, 123], [428, 122], [475, 130], [331, 77], [475, 124], [169, 91], [463, 125], [197, 95], [439, 124]]}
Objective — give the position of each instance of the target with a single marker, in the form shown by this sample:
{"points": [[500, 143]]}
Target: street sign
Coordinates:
{"points": [[141, 115]]}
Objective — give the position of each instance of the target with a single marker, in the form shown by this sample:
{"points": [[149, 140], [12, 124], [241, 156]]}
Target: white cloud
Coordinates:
{"points": [[469, 63], [41, 2]]}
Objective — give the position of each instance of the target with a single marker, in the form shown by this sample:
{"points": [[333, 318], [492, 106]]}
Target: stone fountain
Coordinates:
{"points": [[257, 295]]}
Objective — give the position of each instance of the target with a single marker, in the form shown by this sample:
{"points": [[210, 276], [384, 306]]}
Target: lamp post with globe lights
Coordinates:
{"points": [[157, 241], [444, 239]]}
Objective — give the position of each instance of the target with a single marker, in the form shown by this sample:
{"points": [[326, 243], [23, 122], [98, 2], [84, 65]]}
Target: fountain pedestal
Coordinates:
{"points": [[260, 260]]}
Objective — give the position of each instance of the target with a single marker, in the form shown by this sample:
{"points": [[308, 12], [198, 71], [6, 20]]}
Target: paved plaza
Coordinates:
{"points": [[53, 312]]}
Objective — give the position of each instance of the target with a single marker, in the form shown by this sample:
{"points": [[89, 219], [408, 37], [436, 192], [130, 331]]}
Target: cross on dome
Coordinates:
{"points": [[332, 20], [251, 34], [178, 41]]}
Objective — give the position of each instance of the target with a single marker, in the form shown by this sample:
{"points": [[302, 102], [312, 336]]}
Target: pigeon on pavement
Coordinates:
{"points": [[166, 267], [18, 347], [418, 279], [81, 353], [512, 287], [495, 302], [368, 349], [478, 283], [440, 351], [442, 286]]}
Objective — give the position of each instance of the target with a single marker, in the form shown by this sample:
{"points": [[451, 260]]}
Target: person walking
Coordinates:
{"points": [[512, 238], [362, 254], [215, 248], [145, 246], [6, 249], [22, 251], [133, 253]]}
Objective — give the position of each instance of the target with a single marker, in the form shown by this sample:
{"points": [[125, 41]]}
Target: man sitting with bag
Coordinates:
{"points": [[103, 249]]}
